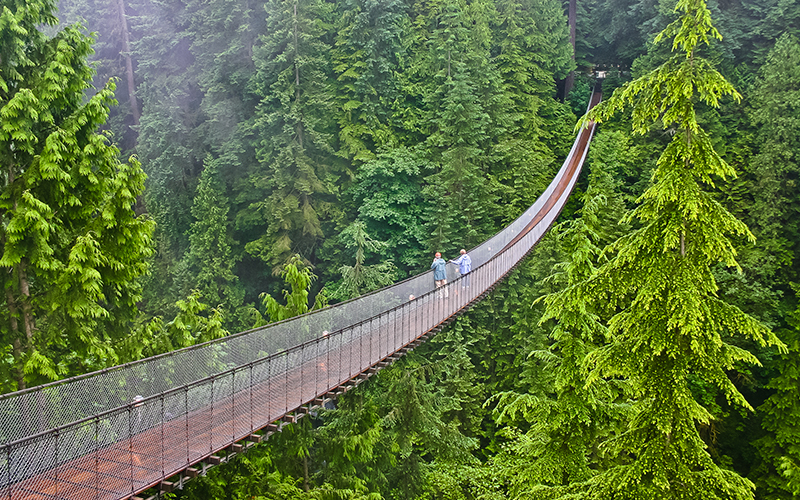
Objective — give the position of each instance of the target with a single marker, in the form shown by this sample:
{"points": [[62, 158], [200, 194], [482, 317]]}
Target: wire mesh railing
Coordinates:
{"points": [[114, 433]]}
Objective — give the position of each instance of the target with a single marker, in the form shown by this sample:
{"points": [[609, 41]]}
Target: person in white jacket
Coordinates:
{"points": [[464, 267]]}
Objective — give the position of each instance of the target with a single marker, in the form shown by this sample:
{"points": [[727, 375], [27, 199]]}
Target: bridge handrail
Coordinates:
{"points": [[483, 255]]}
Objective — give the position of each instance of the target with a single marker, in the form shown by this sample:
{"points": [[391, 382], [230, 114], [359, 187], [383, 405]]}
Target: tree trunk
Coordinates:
{"points": [[573, 21], [13, 311], [27, 308], [299, 127], [306, 485], [19, 373], [126, 51]]}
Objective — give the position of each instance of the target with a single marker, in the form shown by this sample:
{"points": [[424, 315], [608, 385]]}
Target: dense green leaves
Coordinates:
{"points": [[776, 166], [360, 135], [293, 181], [564, 425], [667, 322], [72, 246], [298, 277], [210, 262]]}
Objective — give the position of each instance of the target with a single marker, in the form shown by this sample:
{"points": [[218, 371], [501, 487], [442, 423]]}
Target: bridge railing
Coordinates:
{"points": [[169, 431], [53, 405], [142, 422]]}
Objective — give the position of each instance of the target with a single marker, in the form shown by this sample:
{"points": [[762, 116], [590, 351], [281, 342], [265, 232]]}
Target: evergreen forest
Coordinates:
{"points": [[176, 171]]}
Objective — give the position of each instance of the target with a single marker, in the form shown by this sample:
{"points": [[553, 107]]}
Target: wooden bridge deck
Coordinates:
{"points": [[130, 466]]}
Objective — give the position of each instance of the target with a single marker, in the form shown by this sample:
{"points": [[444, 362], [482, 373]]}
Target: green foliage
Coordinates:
{"points": [[326, 129], [360, 278], [298, 277], [252, 475], [168, 141], [110, 55], [210, 260], [564, 425], [388, 191], [666, 322], [466, 113], [72, 246], [189, 327], [777, 165], [366, 50], [354, 445], [292, 185], [780, 448], [449, 481]]}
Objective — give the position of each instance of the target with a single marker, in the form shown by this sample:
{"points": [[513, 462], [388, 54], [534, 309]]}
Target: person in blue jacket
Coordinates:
{"points": [[439, 272], [464, 267]]}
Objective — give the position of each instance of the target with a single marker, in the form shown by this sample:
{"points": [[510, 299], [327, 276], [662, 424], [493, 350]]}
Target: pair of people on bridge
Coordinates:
{"points": [[464, 264]]}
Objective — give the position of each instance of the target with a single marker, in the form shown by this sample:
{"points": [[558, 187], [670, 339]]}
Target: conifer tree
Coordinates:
{"points": [[668, 324], [531, 40], [194, 323], [292, 186], [776, 204], [560, 446], [467, 113], [365, 57], [169, 143], [222, 34], [388, 191], [211, 259], [72, 246], [361, 278], [298, 277], [775, 211], [779, 477], [112, 57]]}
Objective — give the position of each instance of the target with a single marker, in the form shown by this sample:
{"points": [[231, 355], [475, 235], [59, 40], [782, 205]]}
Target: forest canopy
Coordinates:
{"points": [[178, 170]]}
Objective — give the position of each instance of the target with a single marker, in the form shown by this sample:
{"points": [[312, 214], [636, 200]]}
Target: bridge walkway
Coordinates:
{"points": [[138, 425]]}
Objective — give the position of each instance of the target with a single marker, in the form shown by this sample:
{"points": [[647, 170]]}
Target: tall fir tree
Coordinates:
{"points": [[169, 145], [466, 115], [365, 57], [667, 324], [775, 169], [72, 246], [211, 260], [292, 186], [778, 476], [298, 277], [531, 40], [775, 210], [194, 323]]}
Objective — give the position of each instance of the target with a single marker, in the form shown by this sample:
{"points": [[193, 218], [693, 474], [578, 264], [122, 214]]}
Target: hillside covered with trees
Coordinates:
{"points": [[205, 167]]}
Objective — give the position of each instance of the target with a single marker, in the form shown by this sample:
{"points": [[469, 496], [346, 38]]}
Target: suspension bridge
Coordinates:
{"points": [[151, 424]]}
